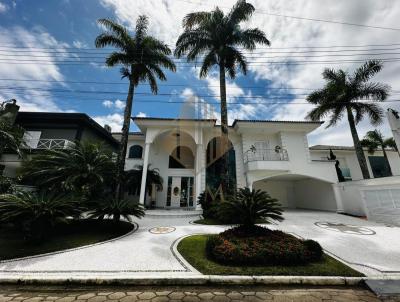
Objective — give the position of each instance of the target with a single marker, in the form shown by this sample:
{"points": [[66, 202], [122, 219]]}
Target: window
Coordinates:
{"points": [[379, 166], [135, 151], [181, 158]]}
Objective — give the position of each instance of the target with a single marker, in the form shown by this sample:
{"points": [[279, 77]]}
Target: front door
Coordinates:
{"points": [[180, 192]]}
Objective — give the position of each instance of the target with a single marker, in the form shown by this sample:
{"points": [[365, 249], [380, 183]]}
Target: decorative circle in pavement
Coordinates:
{"points": [[162, 230], [345, 228]]}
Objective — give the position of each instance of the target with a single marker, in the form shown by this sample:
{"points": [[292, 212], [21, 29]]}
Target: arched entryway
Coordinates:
{"points": [[299, 191], [214, 164]]}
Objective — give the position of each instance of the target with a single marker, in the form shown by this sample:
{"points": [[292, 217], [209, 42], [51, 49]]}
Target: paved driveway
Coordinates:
{"points": [[369, 247]]}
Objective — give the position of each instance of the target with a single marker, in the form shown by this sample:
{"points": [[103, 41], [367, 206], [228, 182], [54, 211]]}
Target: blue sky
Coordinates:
{"points": [[50, 46]]}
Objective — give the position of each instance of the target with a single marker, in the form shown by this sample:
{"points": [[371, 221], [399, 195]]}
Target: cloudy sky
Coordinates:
{"points": [[48, 61]]}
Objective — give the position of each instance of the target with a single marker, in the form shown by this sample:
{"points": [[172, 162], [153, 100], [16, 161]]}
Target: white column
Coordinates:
{"points": [[199, 172], [144, 174], [338, 197]]}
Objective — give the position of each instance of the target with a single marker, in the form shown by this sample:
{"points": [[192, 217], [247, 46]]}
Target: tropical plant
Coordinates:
{"points": [[116, 208], [11, 137], [85, 168], [374, 140], [343, 94], [142, 57], [133, 179], [37, 213], [216, 37], [248, 206], [391, 143]]}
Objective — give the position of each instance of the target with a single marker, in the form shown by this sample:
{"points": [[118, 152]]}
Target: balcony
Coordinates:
{"points": [[47, 144], [266, 155]]}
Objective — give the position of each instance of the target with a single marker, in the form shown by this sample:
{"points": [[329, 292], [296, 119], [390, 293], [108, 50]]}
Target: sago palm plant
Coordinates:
{"points": [[248, 206], [344, 94], [37, 213], [219, 40], [142, 58], [85, 168], [116, 208]]}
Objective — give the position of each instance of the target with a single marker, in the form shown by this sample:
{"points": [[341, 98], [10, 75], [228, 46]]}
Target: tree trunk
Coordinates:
{"points": [[124, 140], [386, 160], [224, 129], [357, 145]]}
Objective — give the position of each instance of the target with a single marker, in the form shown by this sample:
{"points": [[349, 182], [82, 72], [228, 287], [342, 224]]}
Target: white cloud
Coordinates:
{"points": [[3, 8], [141, 114], [119, 104], [115, 121], [108, 103], [79, 44], [28, 98], [165, 23]]}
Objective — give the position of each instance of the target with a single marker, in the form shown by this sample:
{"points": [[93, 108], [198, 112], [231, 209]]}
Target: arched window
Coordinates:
{"points": [[181, 158], [135, 151]]}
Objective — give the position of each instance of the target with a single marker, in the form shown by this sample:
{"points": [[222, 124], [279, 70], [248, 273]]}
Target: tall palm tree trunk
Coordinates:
{"points": [[224, 129], [357, 145], [124, 140], [387, 160]]}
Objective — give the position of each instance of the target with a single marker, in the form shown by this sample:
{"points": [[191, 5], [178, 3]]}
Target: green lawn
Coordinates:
{"points": [[66, 236], [210, 221], [193, 250]]}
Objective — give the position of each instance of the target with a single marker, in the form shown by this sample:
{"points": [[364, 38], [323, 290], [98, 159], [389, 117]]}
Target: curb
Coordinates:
{"points": [[191, 280]]}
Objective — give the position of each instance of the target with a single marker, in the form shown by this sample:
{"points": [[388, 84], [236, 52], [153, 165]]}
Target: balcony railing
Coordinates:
{"points": [[266, 155], [44, 144]]}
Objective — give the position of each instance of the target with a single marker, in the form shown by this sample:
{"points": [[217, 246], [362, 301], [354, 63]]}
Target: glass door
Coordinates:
{"points": [[186, 192], [180, 192]]}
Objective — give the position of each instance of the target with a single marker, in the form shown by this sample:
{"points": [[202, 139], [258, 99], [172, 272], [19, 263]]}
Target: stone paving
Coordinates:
{"points": [[191, 294]]}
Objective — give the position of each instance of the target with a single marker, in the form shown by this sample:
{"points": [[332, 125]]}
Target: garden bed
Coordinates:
{"points": [[76, 233], [193, 249]]}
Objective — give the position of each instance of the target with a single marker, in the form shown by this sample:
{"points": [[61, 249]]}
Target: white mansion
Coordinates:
{"points": [[268, 155]]}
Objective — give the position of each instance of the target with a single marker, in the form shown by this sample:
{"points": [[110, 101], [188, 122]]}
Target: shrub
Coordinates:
{"points": [[116, 208], [6, 185], [263, 247], [210, 204], [247, 206], [36, 213]]}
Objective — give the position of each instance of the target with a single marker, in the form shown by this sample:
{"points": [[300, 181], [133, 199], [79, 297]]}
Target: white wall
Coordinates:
{"points": [[314, 194], [281, 190]]}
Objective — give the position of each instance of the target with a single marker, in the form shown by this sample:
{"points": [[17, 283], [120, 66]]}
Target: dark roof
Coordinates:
{"points": [[331, 147], [130, 133], [24, 117], [340, 148], [272, 121]]}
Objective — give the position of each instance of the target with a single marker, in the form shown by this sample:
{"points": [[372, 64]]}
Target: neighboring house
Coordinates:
{"points": [[45, 130], [267, 155], [349, 163]]}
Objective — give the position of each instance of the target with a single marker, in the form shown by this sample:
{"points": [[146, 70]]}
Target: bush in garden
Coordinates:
{"points": [[6, 185], [264, 247], [36, 213], [116, 208], [248, 206], [209, 203]]}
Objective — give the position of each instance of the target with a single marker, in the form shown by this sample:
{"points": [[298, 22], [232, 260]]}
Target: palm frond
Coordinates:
{"points": [[367, 71], [142, 24], [193, 19], [240, 12]]}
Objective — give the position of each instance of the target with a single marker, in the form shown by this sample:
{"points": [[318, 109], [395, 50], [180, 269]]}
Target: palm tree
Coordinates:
{"points": [[342, 94], [85, 168], [374, 140], [133, 179], [391, 143], [142, 57], [217, 38]]}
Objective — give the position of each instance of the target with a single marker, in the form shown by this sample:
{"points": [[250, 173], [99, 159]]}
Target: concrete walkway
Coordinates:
{"points": [[366, 246]]}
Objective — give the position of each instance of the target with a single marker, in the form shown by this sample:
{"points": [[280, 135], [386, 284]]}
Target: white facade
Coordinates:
{"points": [[269, 155]]}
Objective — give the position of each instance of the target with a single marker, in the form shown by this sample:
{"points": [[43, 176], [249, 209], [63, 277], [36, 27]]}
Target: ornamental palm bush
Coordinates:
{"points": [[36, 213], [85, 168], [116, 208], [247, 206]]}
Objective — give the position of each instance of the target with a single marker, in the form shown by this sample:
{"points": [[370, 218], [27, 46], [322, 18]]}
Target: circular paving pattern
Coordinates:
{"points": [[162, 230], [345, 228]]}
